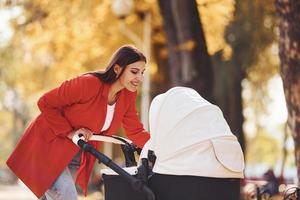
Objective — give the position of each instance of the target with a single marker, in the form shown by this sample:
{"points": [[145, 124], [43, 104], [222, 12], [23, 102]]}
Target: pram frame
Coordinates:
{"points": [[135, 183]]}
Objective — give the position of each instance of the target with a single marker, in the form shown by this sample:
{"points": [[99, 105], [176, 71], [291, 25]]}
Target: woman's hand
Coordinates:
{"points": [[87, 134]]}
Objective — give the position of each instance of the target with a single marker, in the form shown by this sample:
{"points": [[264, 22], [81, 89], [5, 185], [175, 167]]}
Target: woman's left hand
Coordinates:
{"points": [[87, 133]]}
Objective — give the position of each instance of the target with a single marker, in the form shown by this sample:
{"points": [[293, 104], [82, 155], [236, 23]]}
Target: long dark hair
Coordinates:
{"points": [[124, 56]]}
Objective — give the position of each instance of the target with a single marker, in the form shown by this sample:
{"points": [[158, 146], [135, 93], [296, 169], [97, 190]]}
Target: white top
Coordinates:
{"points": [[190, 136], [109, 116]]}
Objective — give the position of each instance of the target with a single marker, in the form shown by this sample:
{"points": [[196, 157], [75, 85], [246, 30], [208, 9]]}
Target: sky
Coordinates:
{"points": [[5, 29], [277, 106]]}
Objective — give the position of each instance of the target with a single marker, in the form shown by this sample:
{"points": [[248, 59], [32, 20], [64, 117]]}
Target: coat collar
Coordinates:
{"points": [[105, 91]]}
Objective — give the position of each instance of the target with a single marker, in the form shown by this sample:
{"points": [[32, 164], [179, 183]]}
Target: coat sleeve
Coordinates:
{"points": [[133, 127], [70, 92]]}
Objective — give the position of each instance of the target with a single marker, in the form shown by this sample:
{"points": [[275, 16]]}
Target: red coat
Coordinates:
{"points": [[44, 151]]}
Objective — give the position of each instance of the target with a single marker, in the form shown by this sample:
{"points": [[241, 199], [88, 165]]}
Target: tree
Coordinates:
{"points": [[249, 36], [189, 62], [289, 53]]}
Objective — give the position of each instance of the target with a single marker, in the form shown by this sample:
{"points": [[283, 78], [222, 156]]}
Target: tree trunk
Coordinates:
{"points": [[187, 46], [289, 53], [161, 82], [172, 41], [228, 94], [235, 115]]}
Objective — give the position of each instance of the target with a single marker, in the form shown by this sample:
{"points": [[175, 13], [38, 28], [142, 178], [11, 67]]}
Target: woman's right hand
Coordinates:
{"points": [[87, 133]]}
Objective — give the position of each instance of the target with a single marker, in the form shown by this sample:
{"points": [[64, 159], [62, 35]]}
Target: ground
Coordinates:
{"points": [[21, 192]]}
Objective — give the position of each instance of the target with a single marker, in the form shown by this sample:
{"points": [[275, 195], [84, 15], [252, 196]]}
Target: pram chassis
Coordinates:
{"points": [[136, 184]]}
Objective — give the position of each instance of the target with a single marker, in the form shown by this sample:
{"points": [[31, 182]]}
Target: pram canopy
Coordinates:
{"points": [[190, 136]]}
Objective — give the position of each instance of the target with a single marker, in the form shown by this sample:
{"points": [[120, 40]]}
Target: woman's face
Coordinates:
{"points": [[133, 75]]}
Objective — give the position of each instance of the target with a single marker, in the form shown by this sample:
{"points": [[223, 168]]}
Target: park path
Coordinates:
{"points": [[21, 192]]}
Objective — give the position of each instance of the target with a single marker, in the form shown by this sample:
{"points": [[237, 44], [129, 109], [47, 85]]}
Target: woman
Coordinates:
{"points": [[96, 102]]}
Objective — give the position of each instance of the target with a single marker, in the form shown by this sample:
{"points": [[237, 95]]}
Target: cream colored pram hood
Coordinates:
{"points": [[190, 136]]}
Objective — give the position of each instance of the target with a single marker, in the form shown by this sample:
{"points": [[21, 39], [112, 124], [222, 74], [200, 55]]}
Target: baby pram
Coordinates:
{"points": [[198, 158], [119, 183]]}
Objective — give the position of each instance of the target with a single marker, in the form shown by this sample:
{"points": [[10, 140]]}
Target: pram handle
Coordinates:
{"points": [[136, 184], [127, 145], [105, 138]]}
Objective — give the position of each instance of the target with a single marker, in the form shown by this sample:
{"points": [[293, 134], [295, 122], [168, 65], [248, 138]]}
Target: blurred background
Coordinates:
{"points": [[228, 50]]}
